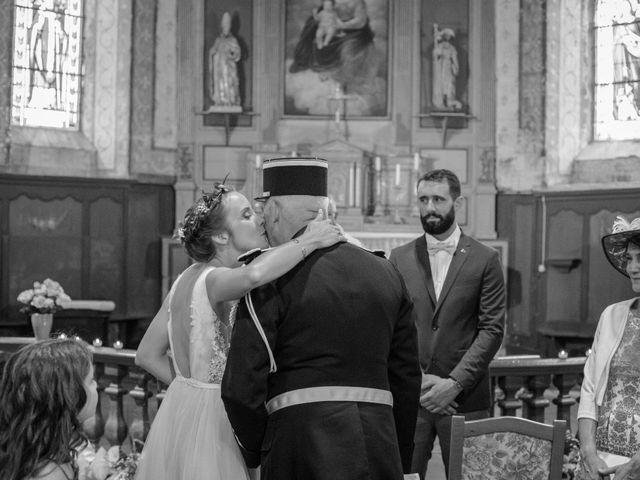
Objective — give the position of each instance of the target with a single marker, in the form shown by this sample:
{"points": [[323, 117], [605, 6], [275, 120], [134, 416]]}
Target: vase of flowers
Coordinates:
{"points": [[41, 302]]}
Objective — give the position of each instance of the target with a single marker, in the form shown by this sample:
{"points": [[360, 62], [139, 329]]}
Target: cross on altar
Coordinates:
{"points": [[341, 107]]}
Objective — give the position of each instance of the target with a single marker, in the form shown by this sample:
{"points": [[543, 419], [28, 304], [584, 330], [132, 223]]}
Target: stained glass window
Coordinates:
{"points": [[617, 72], [47, 63]]}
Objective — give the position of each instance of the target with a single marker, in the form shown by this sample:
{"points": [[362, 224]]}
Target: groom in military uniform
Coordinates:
{"points": [[322, 379]]}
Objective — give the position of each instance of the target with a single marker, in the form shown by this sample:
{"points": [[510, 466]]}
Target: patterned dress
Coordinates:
{"points": [[618, 429], [191, 438]]}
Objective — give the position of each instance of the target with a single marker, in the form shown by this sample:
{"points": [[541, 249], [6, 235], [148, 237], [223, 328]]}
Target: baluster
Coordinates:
{"points": [[564, 401], [116, 427], [94, 427], [535, 403], [496, 395], [509, 404], [140, 393], [161, 388]]}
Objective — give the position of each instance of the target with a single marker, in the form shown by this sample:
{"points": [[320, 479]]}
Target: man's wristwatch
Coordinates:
{"points": [[457, 384]]}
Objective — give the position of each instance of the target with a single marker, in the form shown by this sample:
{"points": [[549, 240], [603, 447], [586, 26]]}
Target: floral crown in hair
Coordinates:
{"points": [[197, 214]]}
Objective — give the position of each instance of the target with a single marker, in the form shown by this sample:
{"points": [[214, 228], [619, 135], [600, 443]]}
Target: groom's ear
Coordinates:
{"points": [[221, 238]]}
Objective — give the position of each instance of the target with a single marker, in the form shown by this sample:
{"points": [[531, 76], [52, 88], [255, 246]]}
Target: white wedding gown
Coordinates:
{"points": [[191, 437]]}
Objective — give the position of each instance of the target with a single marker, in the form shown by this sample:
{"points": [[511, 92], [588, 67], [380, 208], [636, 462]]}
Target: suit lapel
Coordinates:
{"points": [[425, 267], [459, 258]]}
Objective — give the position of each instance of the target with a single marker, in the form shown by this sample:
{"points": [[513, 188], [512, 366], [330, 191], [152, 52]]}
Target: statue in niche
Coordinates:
{"points": [[445, 70], [224, 86]]}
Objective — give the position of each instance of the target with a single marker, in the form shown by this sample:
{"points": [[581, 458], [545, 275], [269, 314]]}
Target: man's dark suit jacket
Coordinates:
{"points": [[459, 334], [342, 317]]}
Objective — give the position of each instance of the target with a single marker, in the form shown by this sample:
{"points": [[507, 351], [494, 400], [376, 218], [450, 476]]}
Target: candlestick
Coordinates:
{"points": [[258, 161], [416, 162], [357, 182], [351, 184], [397, 182]]}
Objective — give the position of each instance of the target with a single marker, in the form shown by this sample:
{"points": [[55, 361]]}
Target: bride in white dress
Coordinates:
{"points": [[190, 437]]}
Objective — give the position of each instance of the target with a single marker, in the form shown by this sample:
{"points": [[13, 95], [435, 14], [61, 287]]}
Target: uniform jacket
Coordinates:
{"points": [[459, 334], [596, 369], [341, 317]]}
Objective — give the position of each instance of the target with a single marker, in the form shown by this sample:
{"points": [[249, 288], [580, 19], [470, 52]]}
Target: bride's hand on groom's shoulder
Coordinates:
{"points": [[323, 232]]}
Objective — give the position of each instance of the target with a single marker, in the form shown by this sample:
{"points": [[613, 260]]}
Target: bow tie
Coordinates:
{"points": [[434, 248]]}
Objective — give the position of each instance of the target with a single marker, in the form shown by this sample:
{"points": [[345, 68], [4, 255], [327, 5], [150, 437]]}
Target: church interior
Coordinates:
{"points": [[95, 183], [112, 124]]}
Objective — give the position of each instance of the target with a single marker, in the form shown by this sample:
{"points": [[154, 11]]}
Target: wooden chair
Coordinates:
{"points": [[506, 447]]}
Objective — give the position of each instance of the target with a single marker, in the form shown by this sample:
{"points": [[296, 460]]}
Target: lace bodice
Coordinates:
{"points": [[209, 335]]}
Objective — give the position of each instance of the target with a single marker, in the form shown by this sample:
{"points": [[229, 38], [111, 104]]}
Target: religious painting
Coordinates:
{"points": [[227, 67], [444, 62], [336, 57], [617, 72]]}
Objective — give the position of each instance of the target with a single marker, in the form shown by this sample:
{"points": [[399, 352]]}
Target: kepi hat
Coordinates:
{"points": [[294, 176], [615, 244]]}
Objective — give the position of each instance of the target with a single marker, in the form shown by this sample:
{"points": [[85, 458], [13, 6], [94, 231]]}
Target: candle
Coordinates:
{"points": [[337, 116], [62, 336], [563, 354], [118, 345], [351, 184], [397, 174], [258, 161], [97, 343], [377, 164], [77, 338], [416, 162], [294, 153], [357, 182]]}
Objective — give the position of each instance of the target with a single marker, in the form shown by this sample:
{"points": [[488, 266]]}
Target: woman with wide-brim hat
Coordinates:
{"points": [[609, 411]]}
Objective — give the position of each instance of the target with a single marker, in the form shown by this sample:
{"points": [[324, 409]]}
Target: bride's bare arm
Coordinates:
{"points": [[152, 351], [225, 284]]}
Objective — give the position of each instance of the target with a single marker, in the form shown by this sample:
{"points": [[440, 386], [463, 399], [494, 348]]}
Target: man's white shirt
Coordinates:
{"points": [[440, 255]]}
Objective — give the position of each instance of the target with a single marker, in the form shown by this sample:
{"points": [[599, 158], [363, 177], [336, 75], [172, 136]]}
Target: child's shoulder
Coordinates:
{"points": [[53, 471]]}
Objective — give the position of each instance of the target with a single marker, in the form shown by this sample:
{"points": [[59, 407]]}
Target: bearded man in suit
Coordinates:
{"points": [[457, 286], [322, 379]]}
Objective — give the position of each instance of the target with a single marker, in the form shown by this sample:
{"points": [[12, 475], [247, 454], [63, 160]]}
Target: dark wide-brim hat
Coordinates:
{"points": [[615, 244], [294, 176]]}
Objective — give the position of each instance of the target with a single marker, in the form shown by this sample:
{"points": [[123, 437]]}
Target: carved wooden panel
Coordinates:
{"points": [[99, 238], [44, 241], [106, 250]]}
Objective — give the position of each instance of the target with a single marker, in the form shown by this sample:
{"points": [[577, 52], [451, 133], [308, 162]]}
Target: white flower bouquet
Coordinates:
{"points": [[44, 297], [108, 464]]}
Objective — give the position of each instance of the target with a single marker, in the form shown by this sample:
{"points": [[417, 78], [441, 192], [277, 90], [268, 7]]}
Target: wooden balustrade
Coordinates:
{"points": [[125, 411]]}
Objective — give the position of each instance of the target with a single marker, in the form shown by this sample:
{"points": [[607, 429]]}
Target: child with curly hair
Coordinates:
{"points": [[47, 391]]}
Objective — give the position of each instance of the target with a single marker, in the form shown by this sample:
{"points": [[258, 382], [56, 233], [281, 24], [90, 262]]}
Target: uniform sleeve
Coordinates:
{"points": [[404, 377], [491, 313], [244, 384]]}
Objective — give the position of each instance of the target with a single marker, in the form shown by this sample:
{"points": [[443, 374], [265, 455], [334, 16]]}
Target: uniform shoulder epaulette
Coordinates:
{"points": [[376, 252]]}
